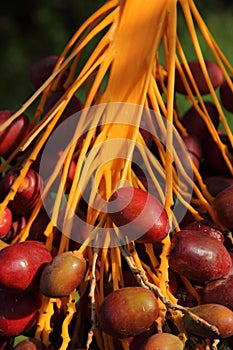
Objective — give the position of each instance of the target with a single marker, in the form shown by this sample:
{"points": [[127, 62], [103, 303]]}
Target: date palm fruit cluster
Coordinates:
{"points": [[116, 210]]}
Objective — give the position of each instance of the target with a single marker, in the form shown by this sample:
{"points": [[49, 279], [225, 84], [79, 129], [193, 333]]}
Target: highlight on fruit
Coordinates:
{"points": [[116, 208]]}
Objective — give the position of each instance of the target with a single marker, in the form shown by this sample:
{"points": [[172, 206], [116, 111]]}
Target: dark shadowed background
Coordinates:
{"points": [[30, 30]]}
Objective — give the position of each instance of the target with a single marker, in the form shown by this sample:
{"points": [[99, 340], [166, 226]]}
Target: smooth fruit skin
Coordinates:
{"points": [[63, 274], [199, 257], [18, 312], [214, 72], [163, 341], [21, 265], [219, 291], [5, 222], [224, 206], [147, 218], [216, 315], [27, 194], [11, 137], [128, 311]]}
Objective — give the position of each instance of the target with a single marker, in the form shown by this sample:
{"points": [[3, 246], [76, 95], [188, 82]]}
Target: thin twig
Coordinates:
{"points": [[93, 304], [142, 279]]}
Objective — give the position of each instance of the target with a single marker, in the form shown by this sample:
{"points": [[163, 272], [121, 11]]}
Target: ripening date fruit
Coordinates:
{"points": [[163, 341], [19, 312], [217, 315], [74, 105], [219, 291], [194, 123], [206, 227], [226, 96], [40, 71], [27, 194], [214, 72], [5, 222], [30, 344], [194, 148], [139, 215], [11, 137], [128, 311], [198, 256], [21, 265], [69, 264], [223, 204]]}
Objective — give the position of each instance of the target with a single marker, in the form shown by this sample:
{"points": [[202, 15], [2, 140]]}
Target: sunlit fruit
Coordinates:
{"points": [[217, 315], [206, 227], [69, 264], [18, 224], [11, 137], [128, 311], [213, 71], [198, 256], [21, 265], [139, 215], [163, 341], [28, 193], [5, 222]]}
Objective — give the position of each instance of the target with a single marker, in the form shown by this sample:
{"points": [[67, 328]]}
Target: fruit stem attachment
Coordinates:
{"points": [[142, 279]]}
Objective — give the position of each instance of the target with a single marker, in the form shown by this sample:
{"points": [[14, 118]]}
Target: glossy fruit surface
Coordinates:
{"points": [[18, 224], [214, 72], [198, 256], [21, 265], [11, 137], [5, 222], [128, 311], [27, 194], [69, 264], [206, 227], [224, 206], [219, 291], [18, 312], [216, 315], [143, 215], [163, 341]]}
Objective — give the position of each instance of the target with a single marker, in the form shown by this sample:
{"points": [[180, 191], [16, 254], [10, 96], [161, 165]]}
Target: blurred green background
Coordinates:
{"points": [[31, 30]]}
